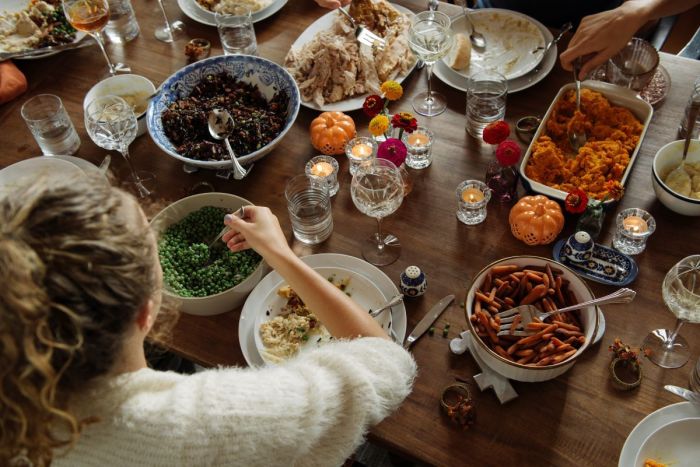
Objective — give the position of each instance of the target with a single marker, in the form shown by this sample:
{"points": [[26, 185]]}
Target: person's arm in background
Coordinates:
{"points": [[604, 34], [333, 4]]}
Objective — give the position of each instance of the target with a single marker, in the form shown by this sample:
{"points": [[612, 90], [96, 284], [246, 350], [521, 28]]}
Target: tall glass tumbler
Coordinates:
{"points": [[236, 31], [634, 65], [309, 206], [50, 125], [486, 100]]}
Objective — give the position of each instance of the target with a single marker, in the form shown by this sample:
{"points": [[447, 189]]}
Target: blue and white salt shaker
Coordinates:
{"points": [[579, 247], [413, 282]]}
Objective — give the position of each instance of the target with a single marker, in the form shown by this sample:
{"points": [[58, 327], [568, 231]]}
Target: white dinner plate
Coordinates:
{"points": [[255, 304], [362, 291], [650, 424], [351, 103], [200, 15], [459, 81], [12, 6], [30, 170], [677, 443]]}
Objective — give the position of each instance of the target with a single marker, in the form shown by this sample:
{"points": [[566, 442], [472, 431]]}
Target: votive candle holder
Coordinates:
{"points": [[324, 170]]}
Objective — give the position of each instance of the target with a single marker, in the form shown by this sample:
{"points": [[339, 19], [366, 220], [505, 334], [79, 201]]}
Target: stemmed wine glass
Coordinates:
{"points": [[681, 292], [377, 191], [170, 31], [91, 16], [111, 124], [430, 38]]}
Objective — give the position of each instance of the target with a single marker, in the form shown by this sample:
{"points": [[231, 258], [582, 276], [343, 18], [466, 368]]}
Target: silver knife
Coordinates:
{"points": [[684, 393], [428, 320]]}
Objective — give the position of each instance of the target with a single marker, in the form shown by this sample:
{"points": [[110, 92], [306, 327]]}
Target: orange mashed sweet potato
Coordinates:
{"points": [[612, 134]]}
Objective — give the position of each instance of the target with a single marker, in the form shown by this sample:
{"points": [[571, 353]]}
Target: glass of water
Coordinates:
{"points": [[486, 100], [236, 31], [377, 191], [309, 206], [50, 125], [111, 124]]}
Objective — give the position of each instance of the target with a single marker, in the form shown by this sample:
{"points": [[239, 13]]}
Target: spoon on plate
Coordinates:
{"points": [[567, 27], [477, 39], [221, 125]]}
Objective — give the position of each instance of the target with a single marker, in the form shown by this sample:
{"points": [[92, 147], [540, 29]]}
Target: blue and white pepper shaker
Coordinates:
{"points": [[579, 247], [413, 282]]}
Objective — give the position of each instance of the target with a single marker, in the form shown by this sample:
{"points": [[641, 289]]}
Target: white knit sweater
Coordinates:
{"points": [[313, 410]]}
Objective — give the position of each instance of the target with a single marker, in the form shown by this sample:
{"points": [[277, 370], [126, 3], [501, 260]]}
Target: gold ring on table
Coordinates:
{"points": [[526, 127], [458, 389]]}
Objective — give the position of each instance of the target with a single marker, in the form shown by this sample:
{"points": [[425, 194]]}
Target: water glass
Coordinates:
{"points": [[419, 147], [633, 228], [359, 150], [324, 170], [122, 26], [50, 125], [472, 198], [635, 65], [309, 206], [486, 100], [236, 31]]}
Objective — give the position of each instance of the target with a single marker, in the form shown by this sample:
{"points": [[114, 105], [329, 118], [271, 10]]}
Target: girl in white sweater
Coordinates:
{"points": [[81, 290]]}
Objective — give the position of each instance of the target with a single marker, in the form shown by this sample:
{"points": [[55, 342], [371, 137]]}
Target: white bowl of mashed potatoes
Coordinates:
{"points": [[678, 190], [134, 89]]}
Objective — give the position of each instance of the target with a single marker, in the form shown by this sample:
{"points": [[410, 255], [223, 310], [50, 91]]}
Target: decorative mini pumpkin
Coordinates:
{"points": [[536, 220], [331, 131]]}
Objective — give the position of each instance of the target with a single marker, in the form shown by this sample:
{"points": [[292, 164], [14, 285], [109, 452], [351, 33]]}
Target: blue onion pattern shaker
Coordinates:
{"points": [[579, 247], [413, 282]]}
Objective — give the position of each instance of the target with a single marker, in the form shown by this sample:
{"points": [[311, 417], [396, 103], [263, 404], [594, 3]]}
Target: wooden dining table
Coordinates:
{"points": [[578, 418]]}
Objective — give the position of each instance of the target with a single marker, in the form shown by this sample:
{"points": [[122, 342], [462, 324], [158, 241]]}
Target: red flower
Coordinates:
{"points": [[393, 150], [576, 201], [373, 105], [404, 121], [496, 132], [508, 153]]}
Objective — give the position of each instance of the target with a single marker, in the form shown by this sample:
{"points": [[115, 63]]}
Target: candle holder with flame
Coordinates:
{"points": [[358, 150], [633, 228], [324, 169], [419, 146], [472, 198]]}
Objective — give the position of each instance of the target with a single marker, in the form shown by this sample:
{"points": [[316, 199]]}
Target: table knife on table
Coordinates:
{"points": [[686, 394], [428, 320]]}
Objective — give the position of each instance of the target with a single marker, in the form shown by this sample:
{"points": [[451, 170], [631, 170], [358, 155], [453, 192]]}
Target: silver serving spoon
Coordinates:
{"points": [[221, 125], [478, 39], [577, 139], [679, 172]]}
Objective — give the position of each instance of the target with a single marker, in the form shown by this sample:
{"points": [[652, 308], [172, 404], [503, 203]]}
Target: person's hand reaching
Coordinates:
{"points": [[260, 230]]}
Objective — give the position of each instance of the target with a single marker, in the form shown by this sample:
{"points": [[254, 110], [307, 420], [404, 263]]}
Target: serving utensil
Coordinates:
{"points": [[528, 313], [690, 125], [221, 125], [428, 320], [477, 39], [44, 50], [577, 138], [240, 214], [566, 28], [362, 34], [395, 300], [686, 394]]}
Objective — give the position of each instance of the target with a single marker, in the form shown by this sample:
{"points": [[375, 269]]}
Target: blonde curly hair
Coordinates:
{"points": [[75, 268]]}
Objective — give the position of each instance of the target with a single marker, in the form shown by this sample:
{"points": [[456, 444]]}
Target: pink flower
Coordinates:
{"points": [[508, 153], [393, 150]]}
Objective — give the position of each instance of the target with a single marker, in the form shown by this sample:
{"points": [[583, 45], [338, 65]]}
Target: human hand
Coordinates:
{"points": [[259, 230], [333, 4]]}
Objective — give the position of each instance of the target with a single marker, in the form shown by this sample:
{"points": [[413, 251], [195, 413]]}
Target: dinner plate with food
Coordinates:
{"points": [[274, 325], [334, 72], [203, 11], [28, 26]]}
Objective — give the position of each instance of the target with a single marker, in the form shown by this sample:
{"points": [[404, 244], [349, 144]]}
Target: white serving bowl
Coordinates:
{"points": [[675, 443], [666, 159], [517, 371], [124, 85], [223, 301]]}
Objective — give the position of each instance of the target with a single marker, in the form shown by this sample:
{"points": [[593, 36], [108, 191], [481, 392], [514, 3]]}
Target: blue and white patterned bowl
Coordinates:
{"points": [[268, 76]]}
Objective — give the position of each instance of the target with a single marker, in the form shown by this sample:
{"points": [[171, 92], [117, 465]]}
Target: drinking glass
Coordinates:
{"points": [[170, 31], [377, 191], [309, 206], [681, 293], [50, 125], [91, 16], [634, 65], [236, 31], [486, 100], [430, 38], [111, 124]]}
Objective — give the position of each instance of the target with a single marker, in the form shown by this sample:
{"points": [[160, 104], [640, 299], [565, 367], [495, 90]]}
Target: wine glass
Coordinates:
{"points": [[170, 31], [91, 16], [111, 124], [681, 292], [430, 38], [377, 191]]}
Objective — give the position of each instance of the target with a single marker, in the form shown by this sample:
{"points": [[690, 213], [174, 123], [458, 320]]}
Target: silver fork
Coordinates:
{"points": [[395, 300], [364, 35], [529, 312]]}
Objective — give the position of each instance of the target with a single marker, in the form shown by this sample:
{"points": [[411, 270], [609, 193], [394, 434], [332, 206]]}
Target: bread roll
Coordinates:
{"points": [[461, 52]]}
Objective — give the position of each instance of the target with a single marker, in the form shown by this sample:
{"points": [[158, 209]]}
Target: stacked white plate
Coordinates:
{"points": [[50, 167]]}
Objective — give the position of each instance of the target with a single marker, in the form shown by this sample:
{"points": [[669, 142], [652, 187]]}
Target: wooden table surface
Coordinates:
{"points": [[576, 419]]}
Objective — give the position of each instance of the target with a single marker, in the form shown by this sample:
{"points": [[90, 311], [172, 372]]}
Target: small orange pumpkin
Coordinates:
{"points": [[536, 220], [331, 131]]}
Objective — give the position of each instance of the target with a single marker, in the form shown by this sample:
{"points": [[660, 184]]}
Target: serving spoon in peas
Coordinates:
{"points": [[240, 214]]}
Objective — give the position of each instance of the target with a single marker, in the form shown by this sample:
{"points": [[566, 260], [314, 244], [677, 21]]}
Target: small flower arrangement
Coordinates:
{"points": [[591, 220], [576, 201], [625, 369], [501, 175], [625, 353]]}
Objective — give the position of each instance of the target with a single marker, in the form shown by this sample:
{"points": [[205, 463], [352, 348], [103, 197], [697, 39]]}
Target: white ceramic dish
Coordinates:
{"points": [[195, 12], [458, 81], [676, 443], [348, 104], [223, 301], [365, 293], [652, 423], [34, 169], [255, 302], [666, 159], [531, 374], [617, 96], [124, 85]]}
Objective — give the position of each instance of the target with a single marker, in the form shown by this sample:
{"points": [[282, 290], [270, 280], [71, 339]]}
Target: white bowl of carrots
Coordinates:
{"points": [[555, 344]]}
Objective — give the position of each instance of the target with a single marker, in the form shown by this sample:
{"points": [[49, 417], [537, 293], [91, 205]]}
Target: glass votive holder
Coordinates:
{"points": [[634, 65], [472, 198], [419, 147], [324, 170], [360, 149], [632, 229]]}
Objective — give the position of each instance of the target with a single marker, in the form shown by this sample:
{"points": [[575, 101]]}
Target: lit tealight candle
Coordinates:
{"points": [[472, 195], [362, 150], [635, 224], [321, 169], [418, 139]]}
